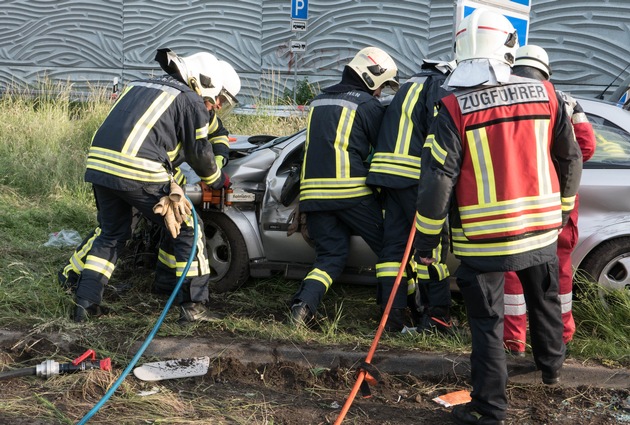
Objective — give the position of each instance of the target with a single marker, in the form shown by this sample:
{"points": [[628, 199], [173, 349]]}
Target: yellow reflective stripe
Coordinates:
{"points": [[320, 276], [437, 152], [220, 140], [173, 154], [99, 265], [482, 163], [411, 287], [429, 226], [400, 165], [542, 156], [405, 124], [466, 248], [76, 260], [202, 260], [568, 203], [389, 269], [212, 125], [129, 167], [330, 188], [493, 227], [509, 206], [167, 259], [145, 123], [306, 143], [192, 271], [342, 140]]}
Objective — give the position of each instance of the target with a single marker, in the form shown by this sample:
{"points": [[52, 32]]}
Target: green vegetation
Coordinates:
{"points": [[43, 143]]}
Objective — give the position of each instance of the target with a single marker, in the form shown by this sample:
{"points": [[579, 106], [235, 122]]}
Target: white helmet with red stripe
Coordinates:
{"points": [[485, 34], [376, 68]]}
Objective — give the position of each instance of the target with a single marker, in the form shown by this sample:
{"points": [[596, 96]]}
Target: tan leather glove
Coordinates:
{"points": [[165, 208], [182, 208]]}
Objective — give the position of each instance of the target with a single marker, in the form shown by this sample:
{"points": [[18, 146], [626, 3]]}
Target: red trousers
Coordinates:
{"points": [[515, 323]]}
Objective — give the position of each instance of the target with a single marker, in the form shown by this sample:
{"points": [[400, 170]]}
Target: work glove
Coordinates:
{"points": [[165, 208], [223, 183], [182, 208]]}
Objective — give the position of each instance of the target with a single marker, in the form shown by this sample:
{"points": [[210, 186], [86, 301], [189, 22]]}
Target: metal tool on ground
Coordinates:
{"points": [[368, 375], [172, 369], [48, 368]]}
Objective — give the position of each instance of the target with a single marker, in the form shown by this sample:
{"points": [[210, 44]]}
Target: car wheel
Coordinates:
{"points": [[609, 265], [227, 253]]}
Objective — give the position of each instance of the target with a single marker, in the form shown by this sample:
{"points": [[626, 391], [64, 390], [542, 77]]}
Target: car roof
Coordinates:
{"points": [[607, 110]]}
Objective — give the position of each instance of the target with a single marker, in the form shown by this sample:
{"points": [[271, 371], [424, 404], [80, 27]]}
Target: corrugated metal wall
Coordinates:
{"points": [[90, 42]]}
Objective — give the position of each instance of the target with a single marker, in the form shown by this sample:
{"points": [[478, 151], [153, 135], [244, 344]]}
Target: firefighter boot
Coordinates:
{"points": [[301, 315], [85, 309], [395, 320], [436, 319], [465, 415]]}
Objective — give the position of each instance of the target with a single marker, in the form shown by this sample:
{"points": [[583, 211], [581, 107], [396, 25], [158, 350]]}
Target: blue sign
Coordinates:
{"points": [[299, 9]]}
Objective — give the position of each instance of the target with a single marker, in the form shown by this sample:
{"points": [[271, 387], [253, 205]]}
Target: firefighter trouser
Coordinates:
{"points": [[515, 330], [483, 295], [116, 216], [331, 232], [400, 210]]}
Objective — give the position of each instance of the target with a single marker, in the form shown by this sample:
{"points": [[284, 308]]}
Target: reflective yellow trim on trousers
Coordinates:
{"points": [[389, 269], [76, 260], [320, 276], [99, 265], [467, 248]]}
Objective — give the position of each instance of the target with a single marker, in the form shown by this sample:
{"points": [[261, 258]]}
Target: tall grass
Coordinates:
{"points": [[43, 145]]}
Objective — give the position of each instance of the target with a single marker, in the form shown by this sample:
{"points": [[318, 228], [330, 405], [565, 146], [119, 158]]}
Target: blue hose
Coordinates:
{"points": [[146, 343]]}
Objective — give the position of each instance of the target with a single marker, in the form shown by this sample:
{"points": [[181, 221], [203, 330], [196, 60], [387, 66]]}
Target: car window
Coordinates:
{"points": [[613, 145]]}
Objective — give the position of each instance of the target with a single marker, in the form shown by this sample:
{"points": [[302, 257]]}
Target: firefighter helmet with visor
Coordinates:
{"points": [[376, 68], [485, 34]]}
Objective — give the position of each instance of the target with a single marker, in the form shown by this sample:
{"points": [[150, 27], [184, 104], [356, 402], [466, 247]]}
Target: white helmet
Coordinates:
{"points": [[201, 71], [375, 68], [486, 35], [231, 82], [534, 56]]}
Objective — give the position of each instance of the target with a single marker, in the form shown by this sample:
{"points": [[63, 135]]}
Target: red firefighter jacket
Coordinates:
{"points": [[507, 157]]}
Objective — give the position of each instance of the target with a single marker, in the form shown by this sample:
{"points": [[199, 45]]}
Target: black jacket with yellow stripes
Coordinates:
{"points": [[343, 126], [150, 125], [396, 161]]}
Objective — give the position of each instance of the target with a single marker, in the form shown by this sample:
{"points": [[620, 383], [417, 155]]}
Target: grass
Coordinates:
{"points": [[43, 144]]}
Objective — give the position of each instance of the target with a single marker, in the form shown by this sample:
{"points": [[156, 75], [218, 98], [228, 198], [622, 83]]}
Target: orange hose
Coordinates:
{"points": [[379, 330]]}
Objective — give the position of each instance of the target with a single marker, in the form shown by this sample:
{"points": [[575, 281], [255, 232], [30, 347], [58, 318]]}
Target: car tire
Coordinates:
{"points": [[227, 253], [609, 265]]}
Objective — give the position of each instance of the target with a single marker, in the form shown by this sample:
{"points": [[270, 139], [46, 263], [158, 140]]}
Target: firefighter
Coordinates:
{"points": [[131, 163], [395, 169], [533, 62], [343, 126], [502, 162]]}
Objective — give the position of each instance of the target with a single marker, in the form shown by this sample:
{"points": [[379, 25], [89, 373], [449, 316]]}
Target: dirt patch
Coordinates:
{"points": [[280, 392]]}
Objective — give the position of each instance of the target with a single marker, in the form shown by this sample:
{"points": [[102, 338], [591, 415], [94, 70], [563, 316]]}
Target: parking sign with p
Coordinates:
{"points": [[299, 9]]}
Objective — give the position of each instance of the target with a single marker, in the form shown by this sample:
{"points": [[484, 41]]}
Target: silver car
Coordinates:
{"points": [[248, 237]]}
